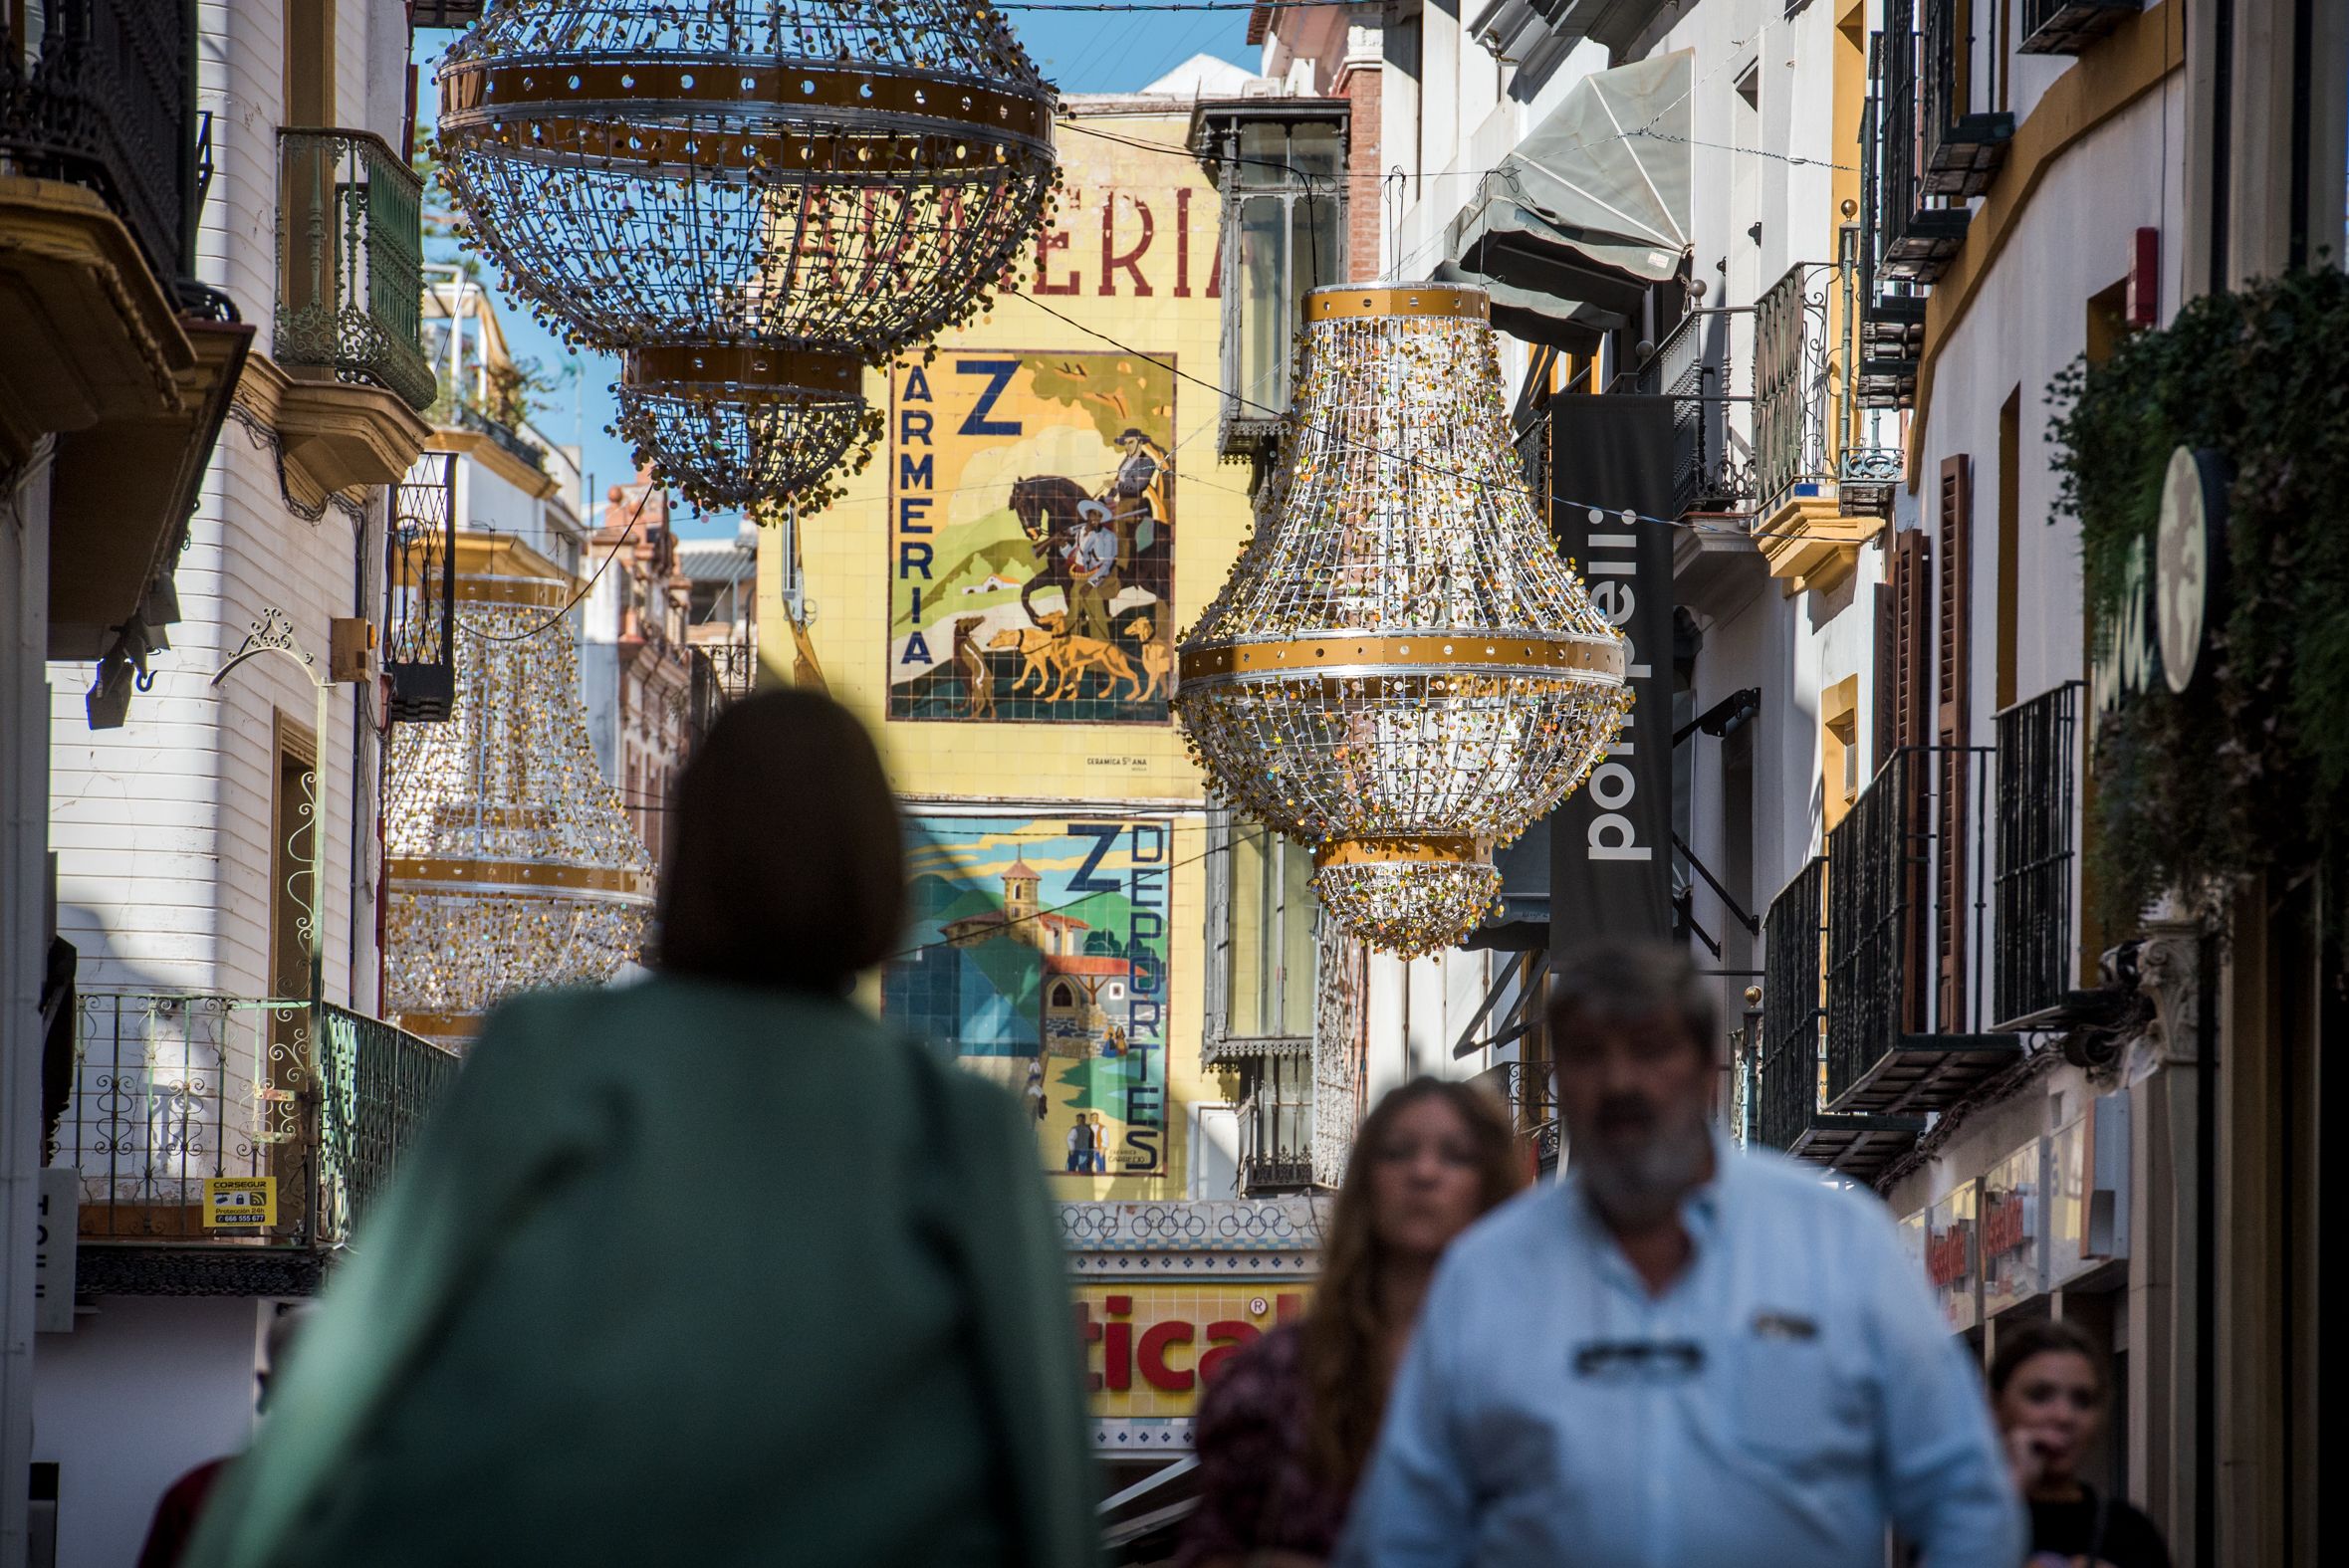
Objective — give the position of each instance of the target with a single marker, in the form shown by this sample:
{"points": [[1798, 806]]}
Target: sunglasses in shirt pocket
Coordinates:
{"points": [[1795, 1403]]}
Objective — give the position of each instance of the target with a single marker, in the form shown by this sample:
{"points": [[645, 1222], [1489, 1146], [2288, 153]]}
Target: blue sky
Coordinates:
{"points": [[1080, 52]]}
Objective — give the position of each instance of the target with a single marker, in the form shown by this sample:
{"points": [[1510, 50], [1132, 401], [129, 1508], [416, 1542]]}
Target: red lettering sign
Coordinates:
{"points": [[1154, 1355], [2002, 1227], [1946, 1260]]}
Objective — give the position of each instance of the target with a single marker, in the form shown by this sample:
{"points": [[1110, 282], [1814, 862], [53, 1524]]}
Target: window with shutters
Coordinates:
{"points": [[1901, 667], [1951, 691]]}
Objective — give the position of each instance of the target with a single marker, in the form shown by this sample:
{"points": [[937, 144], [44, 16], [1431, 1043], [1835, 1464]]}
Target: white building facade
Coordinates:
{"points": [[216, 869]]}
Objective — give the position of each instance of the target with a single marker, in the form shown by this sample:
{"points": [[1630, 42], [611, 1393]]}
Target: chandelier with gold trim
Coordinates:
{"points": [[750, 201], [509, 861], [1400, 670]]}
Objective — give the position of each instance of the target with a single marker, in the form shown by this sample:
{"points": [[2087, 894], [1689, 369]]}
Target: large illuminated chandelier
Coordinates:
{"points": [[750, 201], [1400, 671], [509, 861]]}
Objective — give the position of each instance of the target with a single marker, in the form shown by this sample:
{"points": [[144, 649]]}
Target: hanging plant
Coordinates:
{"points": [[2249, 769]]}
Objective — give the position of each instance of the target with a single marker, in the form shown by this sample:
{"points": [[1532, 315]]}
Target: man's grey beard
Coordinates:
{"points": [[1645, 1187]]}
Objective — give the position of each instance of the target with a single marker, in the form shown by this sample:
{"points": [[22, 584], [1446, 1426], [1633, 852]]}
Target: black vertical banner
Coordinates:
{"points": [[1612, 841]]}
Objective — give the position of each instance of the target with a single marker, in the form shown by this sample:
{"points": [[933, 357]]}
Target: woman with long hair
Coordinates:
{"points": [[2051, 1387], [714, 1269], [1284, 1432]]}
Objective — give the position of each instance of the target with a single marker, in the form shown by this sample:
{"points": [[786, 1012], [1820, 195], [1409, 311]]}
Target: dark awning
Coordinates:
{"points": [[1590, 210]]}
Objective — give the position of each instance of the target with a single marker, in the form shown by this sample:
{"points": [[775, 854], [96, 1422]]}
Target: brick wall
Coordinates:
{"points": [[1365, 216]]}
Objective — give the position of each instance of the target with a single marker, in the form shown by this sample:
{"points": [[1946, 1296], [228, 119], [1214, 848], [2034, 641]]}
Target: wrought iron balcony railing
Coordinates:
{"points": [[1906, 911], [1915, 237], [1963, 146], [1705, 366], [1792, 994], [102, 94], [1277, 1128], [508, 439], [173, 1093], [2065, 27], [2037, 745], [1794, 412], [420, 581], [350, 263]]}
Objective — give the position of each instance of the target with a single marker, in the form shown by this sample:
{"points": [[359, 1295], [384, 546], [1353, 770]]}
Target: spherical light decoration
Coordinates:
{"points": [[509, 861], [803, 183], [1409, 907], [1400, 670], [798, 437]]}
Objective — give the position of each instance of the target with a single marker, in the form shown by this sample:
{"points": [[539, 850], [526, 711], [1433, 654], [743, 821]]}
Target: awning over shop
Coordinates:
{"points": [[1590, 210]]}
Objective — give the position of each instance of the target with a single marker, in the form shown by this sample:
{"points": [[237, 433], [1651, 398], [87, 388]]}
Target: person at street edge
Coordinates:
{"points": [[618, 1307], [1683, 1356]]}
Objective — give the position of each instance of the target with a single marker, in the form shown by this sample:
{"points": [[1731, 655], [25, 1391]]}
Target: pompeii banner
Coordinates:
{"points": [[1037, 952], [1032, 518]]}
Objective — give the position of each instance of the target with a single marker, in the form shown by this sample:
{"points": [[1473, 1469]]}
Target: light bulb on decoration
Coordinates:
{"points": [[750, 200], [510, 862], [1400, 671]]}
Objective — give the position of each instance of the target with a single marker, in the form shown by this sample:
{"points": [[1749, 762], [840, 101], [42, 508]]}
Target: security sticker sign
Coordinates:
{"points": [[240, 1203]]}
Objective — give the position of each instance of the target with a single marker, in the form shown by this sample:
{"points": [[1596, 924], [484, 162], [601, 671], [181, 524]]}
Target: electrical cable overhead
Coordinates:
{"points": [[1625, 514], [584, 588]]}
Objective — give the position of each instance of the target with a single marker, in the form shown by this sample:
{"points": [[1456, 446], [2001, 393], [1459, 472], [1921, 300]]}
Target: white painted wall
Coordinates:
{"points": [[2028, 322], [144, 1390], [24, 887], [162, 828]]}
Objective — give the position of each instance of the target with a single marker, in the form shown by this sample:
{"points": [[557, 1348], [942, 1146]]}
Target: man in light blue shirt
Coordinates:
{"points": [[1684, 1356]]}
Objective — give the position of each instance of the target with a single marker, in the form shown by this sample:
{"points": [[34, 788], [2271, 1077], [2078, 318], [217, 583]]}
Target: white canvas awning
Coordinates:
{"points": [[1591, 208]]}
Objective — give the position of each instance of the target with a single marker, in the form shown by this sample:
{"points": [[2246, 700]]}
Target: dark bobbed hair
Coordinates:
{"points": [[1609, 980], [1345, 1333], [786, 863], [2044, 1336]]}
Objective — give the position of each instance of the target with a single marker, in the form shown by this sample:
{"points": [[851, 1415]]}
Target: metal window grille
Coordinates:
{"points": [[1792, 1009], [102, 94], [2033, 908], [420, 584], [1698, 366], [1892, 861], [1794, 402], [1277, 1124]]}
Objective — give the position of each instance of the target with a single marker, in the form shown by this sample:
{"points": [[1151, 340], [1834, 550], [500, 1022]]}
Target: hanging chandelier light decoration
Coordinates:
{"points": [[750, 201], [510, 863], [1400, 670]]}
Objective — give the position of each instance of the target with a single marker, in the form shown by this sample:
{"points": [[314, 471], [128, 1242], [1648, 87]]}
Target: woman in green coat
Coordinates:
{"points": [[712, 1269]]}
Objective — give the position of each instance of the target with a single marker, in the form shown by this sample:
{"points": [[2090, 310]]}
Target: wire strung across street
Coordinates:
{"points": [[584, 588], [1627, 514]]}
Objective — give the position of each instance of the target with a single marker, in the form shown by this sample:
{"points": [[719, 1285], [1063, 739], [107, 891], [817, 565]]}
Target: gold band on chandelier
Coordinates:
{"points": [[1443, 301], [424, 873], [1436, 652], [745, 372], [566, 139], [475, 93], [1388, 852]]}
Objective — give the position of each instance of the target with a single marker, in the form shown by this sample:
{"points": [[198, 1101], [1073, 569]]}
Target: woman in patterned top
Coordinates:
{"points": [[1284, 1431]]}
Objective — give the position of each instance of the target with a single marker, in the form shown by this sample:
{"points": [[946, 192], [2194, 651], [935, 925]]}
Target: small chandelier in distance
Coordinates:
{"points": [[750, 201], [1400, 670]]}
